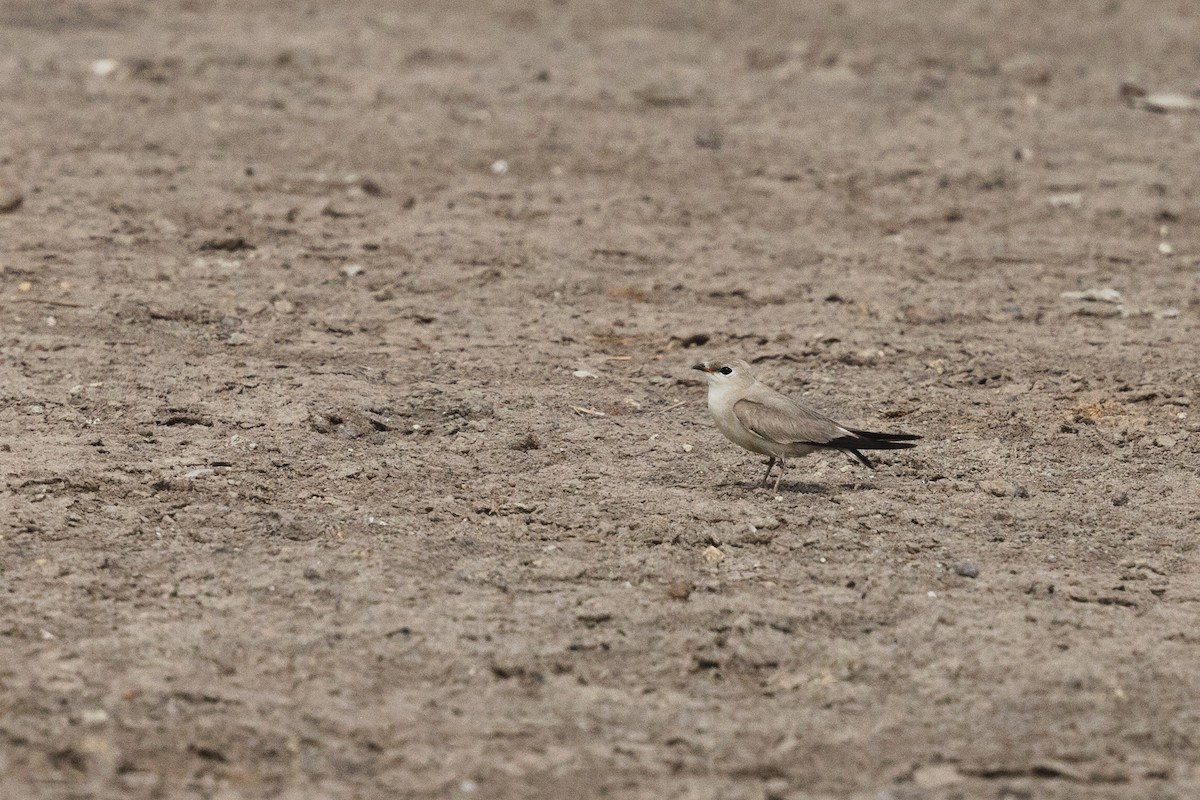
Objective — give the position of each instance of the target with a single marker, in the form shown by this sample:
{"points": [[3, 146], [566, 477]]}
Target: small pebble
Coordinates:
{"points": [[1167, 102], [1066, 200], [349, 431], [967, 570], [1105, 295], [10, 199], [350, 270], [104, 67], [93, 716], [499, 167], [1002, 488], [1121, 499], [370, 187], [680, 590], [713, 555], [935, 776], [583, 373]]}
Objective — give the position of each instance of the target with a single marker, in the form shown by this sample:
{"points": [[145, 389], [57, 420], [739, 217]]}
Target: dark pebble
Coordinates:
{"points": [[10, 200], [968, 570], [680, 590]]}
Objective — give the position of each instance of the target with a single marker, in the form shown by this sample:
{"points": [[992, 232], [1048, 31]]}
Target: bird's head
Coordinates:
{"points": [[726, 374]]}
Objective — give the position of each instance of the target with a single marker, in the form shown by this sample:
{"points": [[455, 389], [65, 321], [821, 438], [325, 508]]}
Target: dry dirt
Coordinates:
{"points": [[303, 496]]}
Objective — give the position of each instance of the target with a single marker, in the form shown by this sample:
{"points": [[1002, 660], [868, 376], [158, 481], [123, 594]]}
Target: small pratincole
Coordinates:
{"points": [[755, 416]]}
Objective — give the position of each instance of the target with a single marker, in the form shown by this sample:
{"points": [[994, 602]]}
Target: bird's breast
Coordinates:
{"points": [[720, 405]]}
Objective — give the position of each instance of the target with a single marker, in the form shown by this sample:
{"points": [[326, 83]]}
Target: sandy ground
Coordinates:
{"points": [[304, 496]]}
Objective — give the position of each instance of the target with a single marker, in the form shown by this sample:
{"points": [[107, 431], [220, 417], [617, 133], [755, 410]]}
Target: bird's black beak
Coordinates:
{"points": [[702, 367]]}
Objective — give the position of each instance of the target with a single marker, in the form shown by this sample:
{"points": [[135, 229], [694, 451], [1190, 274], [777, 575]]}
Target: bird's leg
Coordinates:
{"points": [[770, 466], [778, 477]]}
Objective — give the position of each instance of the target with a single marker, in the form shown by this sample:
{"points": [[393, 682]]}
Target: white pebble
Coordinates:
{"points": [[93, 716], [104, 67], [1104, 295], [583, 373], [196, 473], [1165, 102], [499, 167], [1066, 200]]}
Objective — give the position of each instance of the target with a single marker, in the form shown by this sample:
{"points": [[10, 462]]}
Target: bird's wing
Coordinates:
{"points": [[773, 416]]}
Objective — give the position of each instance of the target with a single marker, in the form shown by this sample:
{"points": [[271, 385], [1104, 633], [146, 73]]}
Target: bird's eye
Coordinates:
{"points": [[726, 370]]}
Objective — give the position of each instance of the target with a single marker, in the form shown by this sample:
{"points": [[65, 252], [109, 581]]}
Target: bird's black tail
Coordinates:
{"points": [[888, 437], [870, 440]]}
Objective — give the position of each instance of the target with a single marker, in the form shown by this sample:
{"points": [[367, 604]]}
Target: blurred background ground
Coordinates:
{"points": [[349, 447]]}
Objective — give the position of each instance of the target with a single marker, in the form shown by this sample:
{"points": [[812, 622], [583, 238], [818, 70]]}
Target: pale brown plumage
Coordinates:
{"points": [[760, 419], [781, 419]]}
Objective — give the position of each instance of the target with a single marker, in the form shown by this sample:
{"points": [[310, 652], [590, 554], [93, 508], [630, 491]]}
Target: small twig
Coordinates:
{"points": [[591, 412]]}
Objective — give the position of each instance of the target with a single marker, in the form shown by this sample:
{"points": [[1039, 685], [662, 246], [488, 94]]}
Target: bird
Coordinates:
{"points": [[755, 416]]}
